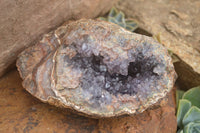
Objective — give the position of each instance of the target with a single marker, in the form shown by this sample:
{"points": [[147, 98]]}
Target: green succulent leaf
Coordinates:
{"points": [[193, 95], [192, 127], [102, 18], [130, 28], [180, 131], [192, 115], [175, 58], [120, 17], [131, 22], [111, 19], [179, 94], [170, 52], [183, 107], [122, 25], [131, 25], [113, 12]]}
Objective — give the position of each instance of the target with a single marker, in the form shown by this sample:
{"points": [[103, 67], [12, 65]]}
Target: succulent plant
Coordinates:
{"points": [[118, 18], [188, 112], [97, 68]]}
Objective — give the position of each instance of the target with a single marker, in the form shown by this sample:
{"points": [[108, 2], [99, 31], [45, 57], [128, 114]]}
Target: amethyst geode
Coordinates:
{"points": [[97, 68]]}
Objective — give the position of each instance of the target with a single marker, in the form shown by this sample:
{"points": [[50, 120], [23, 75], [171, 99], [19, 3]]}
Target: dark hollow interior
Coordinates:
{"points": [[96, 76]]}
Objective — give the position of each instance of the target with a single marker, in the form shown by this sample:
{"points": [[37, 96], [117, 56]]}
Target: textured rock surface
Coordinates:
{"points": [[179, 29], [97, 68], [23, 21], [21, 112]]}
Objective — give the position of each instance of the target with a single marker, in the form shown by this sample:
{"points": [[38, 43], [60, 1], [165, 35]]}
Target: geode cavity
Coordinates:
{"points": [[97, 68]]}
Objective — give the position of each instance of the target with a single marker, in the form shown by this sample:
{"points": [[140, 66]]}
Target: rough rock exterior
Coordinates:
{"points": [[21, 112], [178, 23], [97, 68], [24, 21]]}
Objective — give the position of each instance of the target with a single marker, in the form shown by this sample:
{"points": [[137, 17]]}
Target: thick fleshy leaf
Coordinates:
{"points": [[131, 25], [120, 17], [192, 127], [180, 131], [179, 94], [102, 18], [130, 28], [193, 95], [131, 22], [157, 38], [111, 19], [113, 12], [122, 25], [192, 115], [183, 107]]}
